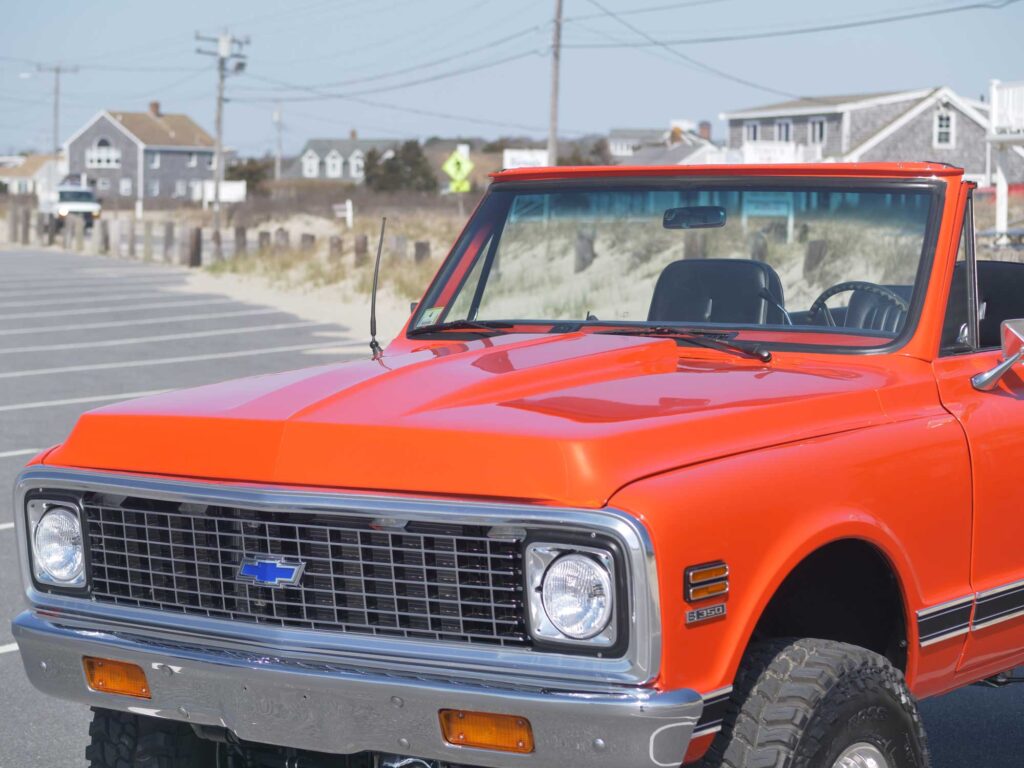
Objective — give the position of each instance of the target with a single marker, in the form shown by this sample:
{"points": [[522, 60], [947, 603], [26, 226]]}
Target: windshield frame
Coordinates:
{"points": [[934, 187]]}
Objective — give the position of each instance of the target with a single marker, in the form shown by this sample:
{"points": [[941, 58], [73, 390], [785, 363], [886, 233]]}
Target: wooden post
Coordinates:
{"points": [[281, 240], [147, 240], [362, 250], [51, 229], [759, 247], [307, 242], [66, 231], [80, 235], [168, 244], [26, 225], [131, 238], [104, 237], [41, 228], [814, 258], [241, 242], [195, 250], [695, 245], [115, 238], [184, 244], [585, 254], [421, 251], [263, 241], [12, 225], [334, 248], [218, 252]]}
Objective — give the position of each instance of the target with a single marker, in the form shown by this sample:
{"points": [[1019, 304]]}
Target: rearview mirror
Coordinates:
{"points": [[1012, 335], [694, 217]]}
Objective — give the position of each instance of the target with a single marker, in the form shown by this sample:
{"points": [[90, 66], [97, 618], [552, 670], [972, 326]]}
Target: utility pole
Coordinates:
{"points": [[277, 151], [556, 54], [228, 52], [57, 70]]}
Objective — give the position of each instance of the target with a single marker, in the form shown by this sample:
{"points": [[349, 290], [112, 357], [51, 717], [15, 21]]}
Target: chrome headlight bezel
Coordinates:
{"points": [[540, 556], [35, 511]]}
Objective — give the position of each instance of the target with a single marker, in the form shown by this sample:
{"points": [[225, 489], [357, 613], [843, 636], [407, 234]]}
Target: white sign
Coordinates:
{"points": [[230, 192], [524, 158]]}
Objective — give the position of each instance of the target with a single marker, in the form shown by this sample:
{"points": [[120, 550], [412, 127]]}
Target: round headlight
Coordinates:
{"points": [[57, 543], [577, 596]]}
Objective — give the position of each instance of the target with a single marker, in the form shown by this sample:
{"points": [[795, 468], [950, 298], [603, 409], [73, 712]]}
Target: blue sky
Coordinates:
{"points": [[373, 52]]}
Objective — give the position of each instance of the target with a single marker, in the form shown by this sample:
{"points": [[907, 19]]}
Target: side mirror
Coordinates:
{"points": [[1012, 333]]}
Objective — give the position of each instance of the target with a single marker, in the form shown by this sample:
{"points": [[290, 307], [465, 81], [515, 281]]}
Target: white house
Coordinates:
{"points": [[336, 159]]}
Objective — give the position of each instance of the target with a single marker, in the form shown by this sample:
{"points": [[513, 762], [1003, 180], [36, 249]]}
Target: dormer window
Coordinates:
{"points": [[310, 165], [334, 164], [355, 165], [944, 130], [102, 155]]}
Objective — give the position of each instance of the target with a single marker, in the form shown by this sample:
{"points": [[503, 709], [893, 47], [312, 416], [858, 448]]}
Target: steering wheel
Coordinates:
{"points": [[888, 294]]}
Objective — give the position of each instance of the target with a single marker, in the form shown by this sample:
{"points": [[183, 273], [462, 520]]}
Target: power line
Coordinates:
{"points": [[831, 27], [648, 9], [691, 60], [319, 94]]}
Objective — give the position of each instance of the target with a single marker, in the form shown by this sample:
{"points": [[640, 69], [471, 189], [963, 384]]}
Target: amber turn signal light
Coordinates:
{"points": [[708, 590], [505, 733], [109, 676]]}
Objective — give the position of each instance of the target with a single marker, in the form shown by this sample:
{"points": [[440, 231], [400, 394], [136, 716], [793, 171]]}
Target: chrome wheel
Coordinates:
{"points": [[861, 755]]}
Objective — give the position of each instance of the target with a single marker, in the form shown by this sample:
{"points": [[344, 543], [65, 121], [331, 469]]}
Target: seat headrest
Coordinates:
{"points": [[718, 291]]}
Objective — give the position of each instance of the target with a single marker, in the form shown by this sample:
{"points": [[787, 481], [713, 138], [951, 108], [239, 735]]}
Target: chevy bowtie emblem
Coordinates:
{"points": [[269, 572]]}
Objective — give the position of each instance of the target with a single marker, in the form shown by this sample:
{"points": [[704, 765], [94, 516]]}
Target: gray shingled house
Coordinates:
{"points": [[931, 124], [140, 155], [336, 159]]}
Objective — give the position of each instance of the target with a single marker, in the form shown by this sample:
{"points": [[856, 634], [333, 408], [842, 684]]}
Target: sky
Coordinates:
{"points": [[418, 68]]}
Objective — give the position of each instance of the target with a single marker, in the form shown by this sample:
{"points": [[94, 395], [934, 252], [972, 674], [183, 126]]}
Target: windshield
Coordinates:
{"points": [[763, 262], [76, 196]]}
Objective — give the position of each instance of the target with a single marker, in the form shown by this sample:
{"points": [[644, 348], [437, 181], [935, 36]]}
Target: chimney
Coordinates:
{"points": [[353, 134], [154, 108], [704, 130]]}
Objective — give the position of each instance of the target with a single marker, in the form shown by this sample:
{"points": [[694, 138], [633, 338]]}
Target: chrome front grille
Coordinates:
{"points": [[434, 581]]}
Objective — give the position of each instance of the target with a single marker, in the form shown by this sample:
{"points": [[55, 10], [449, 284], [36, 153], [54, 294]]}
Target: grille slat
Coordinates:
{"points": [[429, 581]]}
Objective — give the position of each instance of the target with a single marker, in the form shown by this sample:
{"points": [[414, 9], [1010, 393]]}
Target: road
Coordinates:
{"points": [[80, 331]]}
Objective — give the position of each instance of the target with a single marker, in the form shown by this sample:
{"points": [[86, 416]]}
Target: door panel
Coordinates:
{"points": [[994, 423]]}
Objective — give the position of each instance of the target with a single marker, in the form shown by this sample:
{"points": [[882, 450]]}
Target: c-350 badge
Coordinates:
{"points": [[700, 615]]}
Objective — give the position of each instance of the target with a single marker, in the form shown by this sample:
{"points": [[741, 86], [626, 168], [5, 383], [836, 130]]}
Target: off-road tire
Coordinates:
{"points": [[123, 740], [802, 703]]}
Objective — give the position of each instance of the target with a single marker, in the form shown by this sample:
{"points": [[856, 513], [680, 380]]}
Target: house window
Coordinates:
{"points": [[783, 130], [211, 161], [180, 188], [817, 130], [751, 131], [334, 165], [125, 187], [154, 160], [193, 159], [154, 188], [102, 155], [103, 184], [944, 133], [355, 165], [310, 165]]}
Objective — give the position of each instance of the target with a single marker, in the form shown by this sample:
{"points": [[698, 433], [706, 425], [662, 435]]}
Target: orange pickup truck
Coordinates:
{"points": [[710, 465]]}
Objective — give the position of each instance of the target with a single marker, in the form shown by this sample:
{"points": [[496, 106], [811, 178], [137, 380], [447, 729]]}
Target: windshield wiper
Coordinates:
{"points": [[459, 325], [699, 337]]}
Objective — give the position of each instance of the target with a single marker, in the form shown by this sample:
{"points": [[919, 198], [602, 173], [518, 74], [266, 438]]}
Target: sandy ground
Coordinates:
{"points": [[326, 304]]}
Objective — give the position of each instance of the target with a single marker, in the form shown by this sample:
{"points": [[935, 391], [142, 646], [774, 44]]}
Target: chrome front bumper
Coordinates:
{"points": [[329, 708]]}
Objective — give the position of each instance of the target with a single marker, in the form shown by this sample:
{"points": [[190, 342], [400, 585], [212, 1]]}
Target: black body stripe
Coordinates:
{"points": [[996, 606], [714, 712], [947, 621]]}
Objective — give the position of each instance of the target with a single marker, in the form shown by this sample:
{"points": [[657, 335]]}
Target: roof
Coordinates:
{"points": [[834, 103], [638, 134], [164, 130], [347, 146], [31, 165], [667, 154], [853, 170]]}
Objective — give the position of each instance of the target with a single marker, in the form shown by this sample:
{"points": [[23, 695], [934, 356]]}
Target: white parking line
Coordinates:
{"points": [[90, 299], [6, 526], [133, 323], [80, 400], [104, 310], [8, 648], [19, 452], [164, 337], [82, 286], [166, 360]]}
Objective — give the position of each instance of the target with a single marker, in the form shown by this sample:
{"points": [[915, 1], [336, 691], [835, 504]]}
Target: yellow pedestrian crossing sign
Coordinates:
{"points": [[458, 166]]}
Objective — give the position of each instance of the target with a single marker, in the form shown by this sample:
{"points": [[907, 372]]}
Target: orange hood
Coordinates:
{"points": [[567, 419]]}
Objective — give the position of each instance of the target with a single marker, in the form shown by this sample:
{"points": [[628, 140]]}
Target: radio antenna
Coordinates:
{"points": [[375, 347]]}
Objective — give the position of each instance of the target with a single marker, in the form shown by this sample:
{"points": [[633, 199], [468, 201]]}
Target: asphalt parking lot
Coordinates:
{"points": [[77, 332]]}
